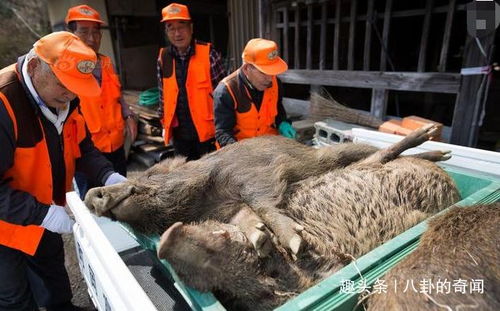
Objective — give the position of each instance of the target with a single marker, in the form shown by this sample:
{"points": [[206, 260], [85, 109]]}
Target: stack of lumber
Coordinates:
{"points": [[149, 147]]}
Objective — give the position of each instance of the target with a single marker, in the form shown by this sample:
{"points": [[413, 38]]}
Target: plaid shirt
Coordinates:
{"points": [[217, 71]]}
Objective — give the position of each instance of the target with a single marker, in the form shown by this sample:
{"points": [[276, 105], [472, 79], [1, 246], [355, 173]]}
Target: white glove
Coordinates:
{"points": [[115, 178], [57, 220]]}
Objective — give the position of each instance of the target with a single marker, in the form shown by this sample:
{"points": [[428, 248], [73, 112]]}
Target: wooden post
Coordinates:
{"points": [[265, 19], [336, 36], [285, 34], [379, 103], [446, 36], [309, 36], [352, 32], [368, 36], [425, 35], [467, 112], [385, 35], [322, 40], [296, 53]]}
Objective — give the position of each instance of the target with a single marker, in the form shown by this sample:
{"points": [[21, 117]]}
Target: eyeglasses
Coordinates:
{"points": [[87, 33], [181, 29]]}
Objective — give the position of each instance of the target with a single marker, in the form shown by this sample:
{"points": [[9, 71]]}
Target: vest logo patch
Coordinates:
{"points": [[85, 66]]}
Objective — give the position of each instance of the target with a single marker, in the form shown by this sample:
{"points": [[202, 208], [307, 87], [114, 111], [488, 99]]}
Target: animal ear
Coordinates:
{"points": [[167, 239]]}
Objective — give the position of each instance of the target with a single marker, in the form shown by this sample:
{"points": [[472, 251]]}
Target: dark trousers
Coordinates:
{"points": [[30, 281], [117, 158], [193, 149]]}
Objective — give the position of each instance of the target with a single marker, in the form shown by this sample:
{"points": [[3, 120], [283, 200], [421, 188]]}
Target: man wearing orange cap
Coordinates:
{"points": [[188, 70], [106, 115], [248, 102], [44, 140]]}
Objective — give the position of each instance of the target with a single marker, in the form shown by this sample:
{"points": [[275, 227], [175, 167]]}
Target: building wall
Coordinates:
{"points": [[243, 26]]}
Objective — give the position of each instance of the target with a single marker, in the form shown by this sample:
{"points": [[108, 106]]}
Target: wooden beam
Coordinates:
{"points": [[296, 53], [285, 34], [309, 37], [405, 81], [425, 36], [465, 124], [394, 14], [368, 36], [322, 40], [446, 36], [385, 35], [378, 106], [352, 33], [336, 36]]}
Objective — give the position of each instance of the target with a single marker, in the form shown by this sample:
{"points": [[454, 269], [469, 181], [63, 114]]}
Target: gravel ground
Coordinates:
{"points": [[81, 297]]}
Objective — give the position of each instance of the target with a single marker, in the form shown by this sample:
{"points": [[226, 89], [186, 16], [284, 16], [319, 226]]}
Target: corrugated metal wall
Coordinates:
{"points": [[243, 26]]}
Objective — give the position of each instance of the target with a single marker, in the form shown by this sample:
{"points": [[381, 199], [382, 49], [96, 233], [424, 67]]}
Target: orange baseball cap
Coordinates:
{"points": [[83, 13], [175, 11], [263, 54], [71, 60]]}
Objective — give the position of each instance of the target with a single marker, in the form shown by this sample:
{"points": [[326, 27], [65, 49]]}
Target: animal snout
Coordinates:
{"points": [[96, 200]]}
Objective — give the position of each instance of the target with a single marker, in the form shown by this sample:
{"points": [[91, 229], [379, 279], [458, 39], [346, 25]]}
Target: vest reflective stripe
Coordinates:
{"points": [[32, 172], [23, 238], [103, 114], [199, 93], [252, 123]]}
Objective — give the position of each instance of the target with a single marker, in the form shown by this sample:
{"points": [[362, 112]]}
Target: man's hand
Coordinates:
{"points": [[115, 178], [57, 220], [286, 130]]}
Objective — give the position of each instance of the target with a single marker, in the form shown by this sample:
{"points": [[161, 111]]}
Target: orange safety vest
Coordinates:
{"points": [[199, 92], [31, 171], [249, 121], [103, 114]]}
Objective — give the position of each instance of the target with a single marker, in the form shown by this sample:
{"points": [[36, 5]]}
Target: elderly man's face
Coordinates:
{"points": [[90, 33], [259, 80], [48, 87], [179, 34]]}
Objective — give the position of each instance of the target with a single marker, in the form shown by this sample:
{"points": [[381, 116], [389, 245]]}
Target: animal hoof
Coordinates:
{"points": [[261, 242], [299, 228], [260, 226], [295, 244], [446, 155]]}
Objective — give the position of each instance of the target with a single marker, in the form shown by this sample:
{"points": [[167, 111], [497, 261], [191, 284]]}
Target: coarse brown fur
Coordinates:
{"points": [[257, 172], [345, 213], [463, 244]]}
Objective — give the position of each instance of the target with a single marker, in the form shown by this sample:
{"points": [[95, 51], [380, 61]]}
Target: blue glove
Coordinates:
{"points": [[287, 130]]}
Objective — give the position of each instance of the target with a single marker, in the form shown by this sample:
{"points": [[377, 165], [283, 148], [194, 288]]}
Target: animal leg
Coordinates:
{"points": [[254, 229], [433, 156], [286, 229], [414, 139]]}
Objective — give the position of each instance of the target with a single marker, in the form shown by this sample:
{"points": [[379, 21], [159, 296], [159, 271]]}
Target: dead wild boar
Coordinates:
{"points": [[256, 172], [462, 245], [345, 213]]}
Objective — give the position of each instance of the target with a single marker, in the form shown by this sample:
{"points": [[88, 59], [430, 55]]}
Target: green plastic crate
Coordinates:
{"points": [[326, 295]]}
